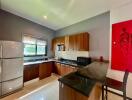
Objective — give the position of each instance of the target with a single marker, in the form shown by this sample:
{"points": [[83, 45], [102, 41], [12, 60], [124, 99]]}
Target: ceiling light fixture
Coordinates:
{"points": [[45, 17]]}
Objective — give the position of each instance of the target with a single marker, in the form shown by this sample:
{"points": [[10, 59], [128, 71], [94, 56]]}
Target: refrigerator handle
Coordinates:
{"points": [[0, 66], [0, 51]]}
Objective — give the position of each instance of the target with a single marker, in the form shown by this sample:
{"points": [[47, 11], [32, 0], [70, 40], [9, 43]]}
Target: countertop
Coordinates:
{"points": [[81, 84], [37, 62], [85, 79], [71, 63]]}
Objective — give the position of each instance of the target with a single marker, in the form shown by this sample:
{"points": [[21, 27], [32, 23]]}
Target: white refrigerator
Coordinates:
{"points": [[11, 66]]}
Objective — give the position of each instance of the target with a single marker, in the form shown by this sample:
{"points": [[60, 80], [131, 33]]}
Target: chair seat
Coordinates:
{"points": [[114, 84]]}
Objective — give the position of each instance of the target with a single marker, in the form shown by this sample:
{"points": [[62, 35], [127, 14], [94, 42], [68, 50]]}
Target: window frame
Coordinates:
{"points": [[46, 48]]}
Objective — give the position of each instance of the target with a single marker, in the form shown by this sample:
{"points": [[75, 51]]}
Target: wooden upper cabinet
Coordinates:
{"points": [[62, 40], [66, 43], [77, 42], [72, 43], [53, 46], [85, 41], [57, 41]]}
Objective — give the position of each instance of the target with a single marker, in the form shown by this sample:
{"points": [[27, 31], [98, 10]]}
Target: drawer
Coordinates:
{"points": [[12, 85], [12, 68]]}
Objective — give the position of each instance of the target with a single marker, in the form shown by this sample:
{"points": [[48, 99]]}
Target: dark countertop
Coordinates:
{"points": [[85, 79], [71, 63], [37, 62], [66, 62], [81, 84], [96, 71]]}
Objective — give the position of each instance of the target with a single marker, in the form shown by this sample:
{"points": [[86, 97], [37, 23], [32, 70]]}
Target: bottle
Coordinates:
{"points": [[101, 59]]}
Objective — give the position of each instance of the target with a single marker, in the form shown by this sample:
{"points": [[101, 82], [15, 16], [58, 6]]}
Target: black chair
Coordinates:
{"points": [[121, 86]]}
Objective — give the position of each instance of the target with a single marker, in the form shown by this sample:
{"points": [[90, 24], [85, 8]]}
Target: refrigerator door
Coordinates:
{"points": [[12, 85], [12, 68], [11, 49], [0, 69], [0, 49], [0, 89]]}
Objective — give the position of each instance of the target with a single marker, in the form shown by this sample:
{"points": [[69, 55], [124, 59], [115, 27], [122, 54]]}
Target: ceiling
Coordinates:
{"points": [[60, 13]]}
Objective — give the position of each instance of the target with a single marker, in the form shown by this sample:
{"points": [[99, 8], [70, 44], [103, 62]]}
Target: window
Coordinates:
{"points": [[34, 47], [41, 47], [29, 49]]}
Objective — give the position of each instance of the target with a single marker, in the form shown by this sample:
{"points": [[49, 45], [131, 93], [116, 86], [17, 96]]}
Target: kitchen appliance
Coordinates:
{"points": [[60, 47], [11, 66], [83, 61]]}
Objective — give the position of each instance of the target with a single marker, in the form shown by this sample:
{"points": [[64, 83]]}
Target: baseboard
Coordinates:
{"points": [[31, 81]]}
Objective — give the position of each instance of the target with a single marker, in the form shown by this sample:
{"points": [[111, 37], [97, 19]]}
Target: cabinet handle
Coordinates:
{"points": [[62, 85]]}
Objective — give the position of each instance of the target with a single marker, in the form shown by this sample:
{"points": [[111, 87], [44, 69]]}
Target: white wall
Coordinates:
{"points": [[72, 55], [119, 14], [98, 29]]}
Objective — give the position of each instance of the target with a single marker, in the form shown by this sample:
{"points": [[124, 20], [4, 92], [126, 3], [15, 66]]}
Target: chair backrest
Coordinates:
{"points": [[125, 76]]}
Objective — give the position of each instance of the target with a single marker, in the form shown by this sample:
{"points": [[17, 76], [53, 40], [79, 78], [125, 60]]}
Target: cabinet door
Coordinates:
{"points": [[64, 69], [49, 68], [72, 42], [79, 42], [57, 69], [45, 70], [53, 45], [62, 40], [85, 41], [66, 43], [31, 72], [65, 92], [71, 69]]}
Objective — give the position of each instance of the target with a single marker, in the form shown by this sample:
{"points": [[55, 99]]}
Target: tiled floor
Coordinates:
{"points": [[46, 89]]}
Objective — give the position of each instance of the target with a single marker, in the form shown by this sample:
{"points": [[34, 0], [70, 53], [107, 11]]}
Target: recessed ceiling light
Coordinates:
{"points": [[45, 17]]}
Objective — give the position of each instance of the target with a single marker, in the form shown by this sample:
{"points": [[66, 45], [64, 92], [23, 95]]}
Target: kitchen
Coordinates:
{"points": [[61, 48]]}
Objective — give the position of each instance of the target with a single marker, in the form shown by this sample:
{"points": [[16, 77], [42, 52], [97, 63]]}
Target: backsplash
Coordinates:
{"points": [[72, 55]]}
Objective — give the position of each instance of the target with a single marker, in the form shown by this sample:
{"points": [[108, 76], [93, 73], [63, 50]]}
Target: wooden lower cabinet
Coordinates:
{"points": [[63, 69], [45, 70], [66, 69], [31, 72], [67, 93], [57, 68]]}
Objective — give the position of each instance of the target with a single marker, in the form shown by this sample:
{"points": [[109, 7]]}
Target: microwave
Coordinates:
{"points": [[83, 61], [60, 47]]}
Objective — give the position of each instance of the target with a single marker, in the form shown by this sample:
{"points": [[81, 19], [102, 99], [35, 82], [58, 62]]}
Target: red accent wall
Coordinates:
{"points": [[122, 46]]}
